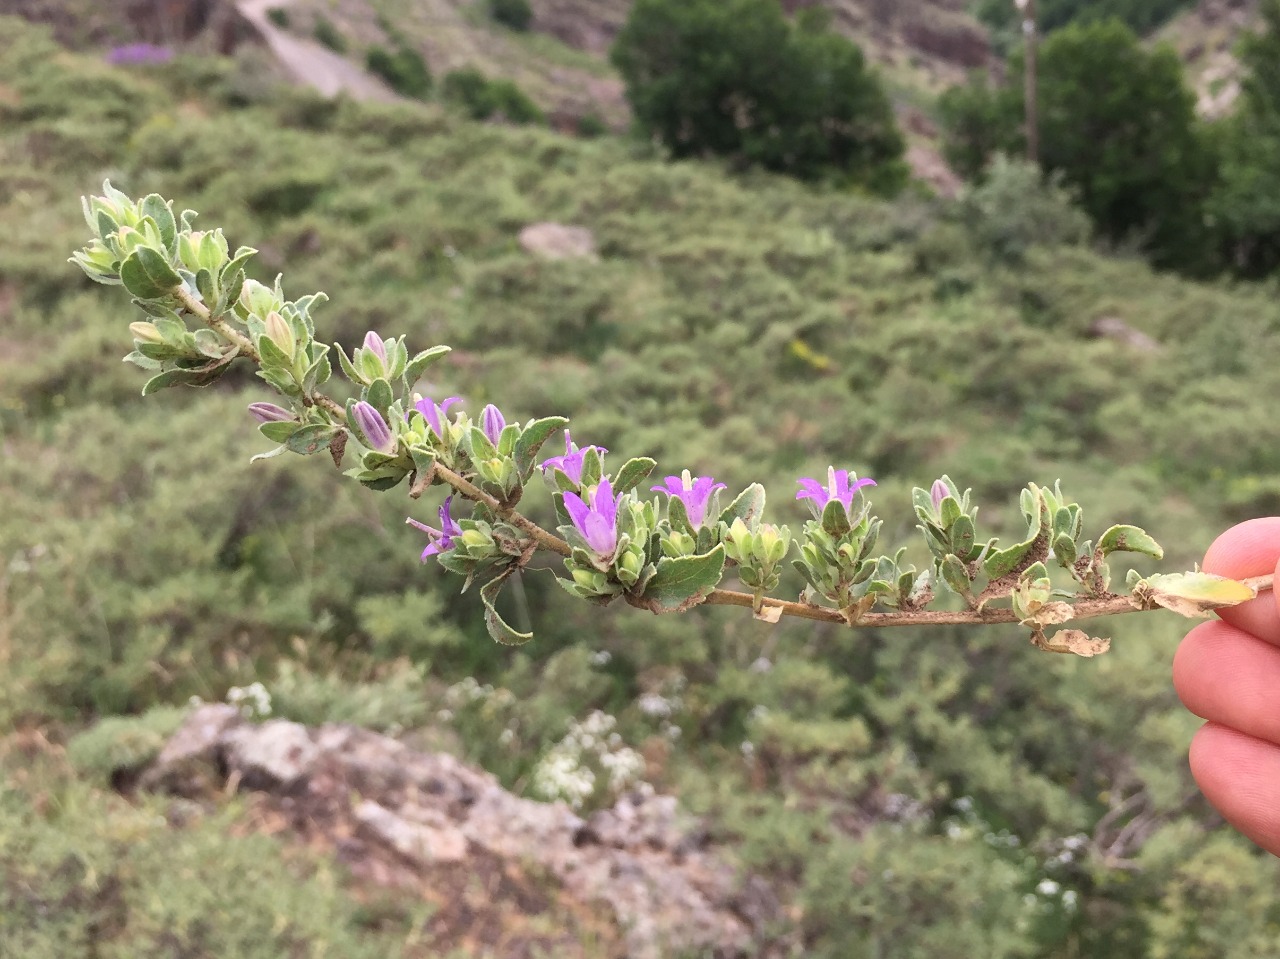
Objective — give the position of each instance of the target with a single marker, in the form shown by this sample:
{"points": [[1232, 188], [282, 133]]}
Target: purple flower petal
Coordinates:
{"points": [[694, 492], [439, 540], [597, 522], [434, 413], [838, 488], [571, 462]]}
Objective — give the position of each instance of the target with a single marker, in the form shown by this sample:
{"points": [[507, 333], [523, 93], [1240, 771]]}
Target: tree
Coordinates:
{"points": [[1246, 205], [1119, 123], [735, 78]]}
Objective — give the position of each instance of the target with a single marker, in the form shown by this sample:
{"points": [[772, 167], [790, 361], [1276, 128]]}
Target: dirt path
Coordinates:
{"points": [[310, 62]]}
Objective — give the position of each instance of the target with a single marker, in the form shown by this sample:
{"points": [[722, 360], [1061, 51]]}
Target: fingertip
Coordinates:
{"points": [[1240, 776], [1251, 548]]}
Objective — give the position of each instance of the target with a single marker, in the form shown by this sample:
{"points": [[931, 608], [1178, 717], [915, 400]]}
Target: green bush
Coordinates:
{"points": [[1016, 208], [329, 35], [279, 16], [1137, 157], [1246, 205], [515, 14], [482, 98], [735, 78], [403, 69]]}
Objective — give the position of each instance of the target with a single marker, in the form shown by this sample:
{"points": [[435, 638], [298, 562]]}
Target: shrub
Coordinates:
{"points": [[1016, 208], [404, 70], [482, 98], [329, 35], [1246, 205], [515, 14], [279, 16], [1136, 157], [734, 78]]}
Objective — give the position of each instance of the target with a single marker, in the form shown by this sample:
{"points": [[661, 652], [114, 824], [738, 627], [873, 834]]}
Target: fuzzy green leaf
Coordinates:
{"points": [[683, 582]]}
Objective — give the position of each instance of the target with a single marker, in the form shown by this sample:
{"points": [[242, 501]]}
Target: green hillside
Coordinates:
{"points": [[934, 794]]}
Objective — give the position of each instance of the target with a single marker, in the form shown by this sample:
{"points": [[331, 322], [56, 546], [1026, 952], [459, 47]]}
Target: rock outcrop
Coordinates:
{"points": [[431, 823]]}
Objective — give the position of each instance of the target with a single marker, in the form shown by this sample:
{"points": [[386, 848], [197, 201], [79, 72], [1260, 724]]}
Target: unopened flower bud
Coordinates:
{"points": [[632, 563], [474, 539], [269, 413], [373, 428], [938, 492], [280, 333], [493, 423], [374, 344], [146, 332]]}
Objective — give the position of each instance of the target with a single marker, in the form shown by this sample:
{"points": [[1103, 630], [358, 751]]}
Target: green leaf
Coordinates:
{"points": [[269, 454], [421, 361], [236, 265], [962, 534], [272, 356], [835, 519], [155, 207], [1002, 562], [955, 575], [748, 507], [683, 582], [147, 274], [312, 439], [1129, 539], [496, 625], [379, 395], [633, 473], [348, 368], [531, 439], [278, 432]]}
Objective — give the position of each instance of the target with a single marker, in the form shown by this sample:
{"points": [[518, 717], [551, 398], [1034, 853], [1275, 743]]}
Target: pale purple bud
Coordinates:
{"points": [[374, 429], [373, 343], [493, 422], [269, 413], [938, 493]]}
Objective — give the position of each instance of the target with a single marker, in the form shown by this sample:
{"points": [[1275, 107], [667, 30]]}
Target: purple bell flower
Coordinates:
{"points": [[434, 413], [694, 492], [598, 521], [571, 462], [439, 540], [838, 488]]}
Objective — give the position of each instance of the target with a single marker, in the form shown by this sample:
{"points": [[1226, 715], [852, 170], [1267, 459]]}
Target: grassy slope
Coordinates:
{"points": [[749, 327]]}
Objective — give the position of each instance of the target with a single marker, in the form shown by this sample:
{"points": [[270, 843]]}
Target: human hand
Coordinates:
{"points": [[1228, 672]]}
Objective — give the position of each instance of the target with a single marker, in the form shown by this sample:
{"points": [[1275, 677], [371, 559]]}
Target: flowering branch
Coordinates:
{"points": [[667, 554]]}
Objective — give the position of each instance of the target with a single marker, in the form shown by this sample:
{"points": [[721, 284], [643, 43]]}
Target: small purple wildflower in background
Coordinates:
{"points": [[434, 413], [374, 428], [838, 488], [694, 492], [139, 53], [598, 522], [938, 492], [269, 413], [493, 422], [440, 540], [571, 463]]}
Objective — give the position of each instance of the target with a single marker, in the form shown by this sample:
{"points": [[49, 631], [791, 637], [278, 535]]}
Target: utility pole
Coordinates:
{"points": [[1027, 9]]}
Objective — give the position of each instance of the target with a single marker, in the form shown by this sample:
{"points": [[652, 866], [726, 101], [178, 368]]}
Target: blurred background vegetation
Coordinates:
{"points": [[1111, 321]]}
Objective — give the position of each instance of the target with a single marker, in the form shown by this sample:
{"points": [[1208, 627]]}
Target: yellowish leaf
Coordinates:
{"points": [[1195, 595]]}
